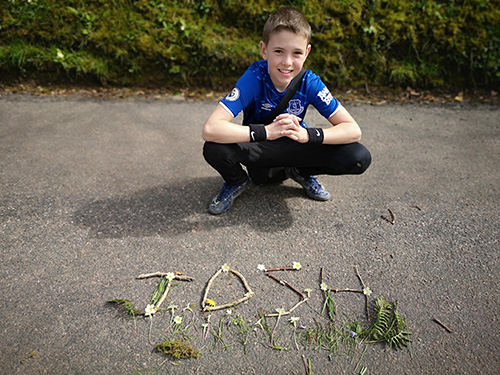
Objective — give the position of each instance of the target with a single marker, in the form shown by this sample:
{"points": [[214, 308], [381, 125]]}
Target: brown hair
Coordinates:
{"points": [[287, 18]]}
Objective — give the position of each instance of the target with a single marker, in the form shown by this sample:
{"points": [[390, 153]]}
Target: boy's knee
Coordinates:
{"points": [[210, 151], [364, 159]]}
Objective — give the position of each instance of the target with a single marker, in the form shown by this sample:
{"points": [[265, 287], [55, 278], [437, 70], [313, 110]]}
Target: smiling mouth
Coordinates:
{"points": [[285, 71]]}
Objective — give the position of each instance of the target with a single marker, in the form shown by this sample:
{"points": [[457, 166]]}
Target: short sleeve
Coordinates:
{"points": [[242, 94], [321, 97]]}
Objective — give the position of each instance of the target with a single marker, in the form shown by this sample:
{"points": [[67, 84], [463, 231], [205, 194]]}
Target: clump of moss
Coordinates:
{"points": [[177, 349], [126, 306]]}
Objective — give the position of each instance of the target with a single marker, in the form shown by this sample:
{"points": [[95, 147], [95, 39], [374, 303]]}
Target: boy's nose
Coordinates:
{"points": [[287, 60]]}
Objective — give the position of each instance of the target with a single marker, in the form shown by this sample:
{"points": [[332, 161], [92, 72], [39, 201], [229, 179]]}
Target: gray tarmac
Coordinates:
{"points": [[95, 192]]}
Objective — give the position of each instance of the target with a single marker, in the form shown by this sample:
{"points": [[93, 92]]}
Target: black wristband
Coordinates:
{"points": [[315, 135], [258, 133]]}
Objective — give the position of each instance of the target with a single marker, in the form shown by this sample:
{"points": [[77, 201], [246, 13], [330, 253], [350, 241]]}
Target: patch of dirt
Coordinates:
{"points": [[370, 95]]}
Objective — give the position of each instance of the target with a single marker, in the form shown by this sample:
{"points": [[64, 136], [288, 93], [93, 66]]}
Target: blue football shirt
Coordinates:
{"points": [[256, 96]]}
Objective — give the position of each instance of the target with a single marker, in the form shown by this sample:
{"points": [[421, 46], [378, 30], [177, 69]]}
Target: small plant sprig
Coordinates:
{"points": [[218, 333], [329, 303], [242, 327], [271, 332], [127, 306]]}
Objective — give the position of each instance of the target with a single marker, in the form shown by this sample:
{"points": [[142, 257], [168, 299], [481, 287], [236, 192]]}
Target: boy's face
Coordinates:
{"points": [[285, 53]]}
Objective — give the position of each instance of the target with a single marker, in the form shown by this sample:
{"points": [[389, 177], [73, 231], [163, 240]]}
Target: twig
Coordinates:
{"points": [[442, 325], [274, 329], [346, 290], [321, 276], [359, 277], [367, 299], [282, 282], [150, 329], [178, 276], [247, 296], [307, 364], [289, 312], [392, 220], [281, 269]]}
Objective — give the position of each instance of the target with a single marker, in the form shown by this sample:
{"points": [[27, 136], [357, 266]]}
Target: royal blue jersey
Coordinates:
{"points": [[256, 96]]}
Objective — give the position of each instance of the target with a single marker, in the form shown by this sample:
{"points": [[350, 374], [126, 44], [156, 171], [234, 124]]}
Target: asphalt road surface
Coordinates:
{"points": [[97, 192]]}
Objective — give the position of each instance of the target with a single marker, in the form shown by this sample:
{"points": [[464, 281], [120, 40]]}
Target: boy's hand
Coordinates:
{"points": [[286, 125]]}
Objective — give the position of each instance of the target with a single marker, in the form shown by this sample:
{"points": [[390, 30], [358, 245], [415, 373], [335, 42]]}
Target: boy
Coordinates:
{"points": [[287, 147]]}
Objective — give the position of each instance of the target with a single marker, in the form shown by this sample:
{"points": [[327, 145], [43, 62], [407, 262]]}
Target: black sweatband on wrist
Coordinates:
{"points": [[315, 135], [258, 133]]}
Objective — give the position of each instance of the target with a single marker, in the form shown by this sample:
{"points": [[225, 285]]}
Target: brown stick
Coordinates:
{"points": [[178, 276], [392, 220], [281, 269], [289, 312], [282, 282], [247, 296], [442, 325], [359, 277], [346, 290], [367, 306]]}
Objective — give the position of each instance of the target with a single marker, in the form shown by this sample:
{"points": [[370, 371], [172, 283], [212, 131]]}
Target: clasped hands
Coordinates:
{"points": [[287, 125]]}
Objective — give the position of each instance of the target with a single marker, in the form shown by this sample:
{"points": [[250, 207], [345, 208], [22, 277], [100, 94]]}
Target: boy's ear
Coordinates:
{"points": [[263, 50], [308, 49]]}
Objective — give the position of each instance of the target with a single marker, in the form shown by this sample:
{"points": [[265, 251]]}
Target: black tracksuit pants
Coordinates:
{"points": [[266, 161]]}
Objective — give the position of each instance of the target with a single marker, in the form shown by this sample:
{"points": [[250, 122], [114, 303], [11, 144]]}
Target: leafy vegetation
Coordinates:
{"points": [[186, 43], [127, 306]]}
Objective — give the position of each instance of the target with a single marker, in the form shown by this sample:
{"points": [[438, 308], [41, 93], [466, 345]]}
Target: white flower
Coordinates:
{"points": [[367, 291], [297, 266], [229, 312], [261, 267], [323, 287], [225, 268], [170, 276], [150, 310], [177, 320], [280, 311], [293, 320]]}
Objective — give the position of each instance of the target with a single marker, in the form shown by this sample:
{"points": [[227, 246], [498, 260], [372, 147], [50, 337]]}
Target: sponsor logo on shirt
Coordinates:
{"points": [[267, 107], [325, 96], [295, 107], [234, 95]]}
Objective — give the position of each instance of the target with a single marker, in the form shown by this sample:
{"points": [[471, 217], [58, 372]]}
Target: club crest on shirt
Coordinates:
{"points": [[295, 107], [234, 95]]}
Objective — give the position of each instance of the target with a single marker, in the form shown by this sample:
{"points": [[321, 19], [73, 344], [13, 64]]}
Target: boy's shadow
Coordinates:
{"points": [[182, 208]]}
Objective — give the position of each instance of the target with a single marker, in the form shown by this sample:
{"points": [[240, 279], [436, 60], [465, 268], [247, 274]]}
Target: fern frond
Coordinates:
{"points": [[399, 340], [389, 326], [383, 317]]}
